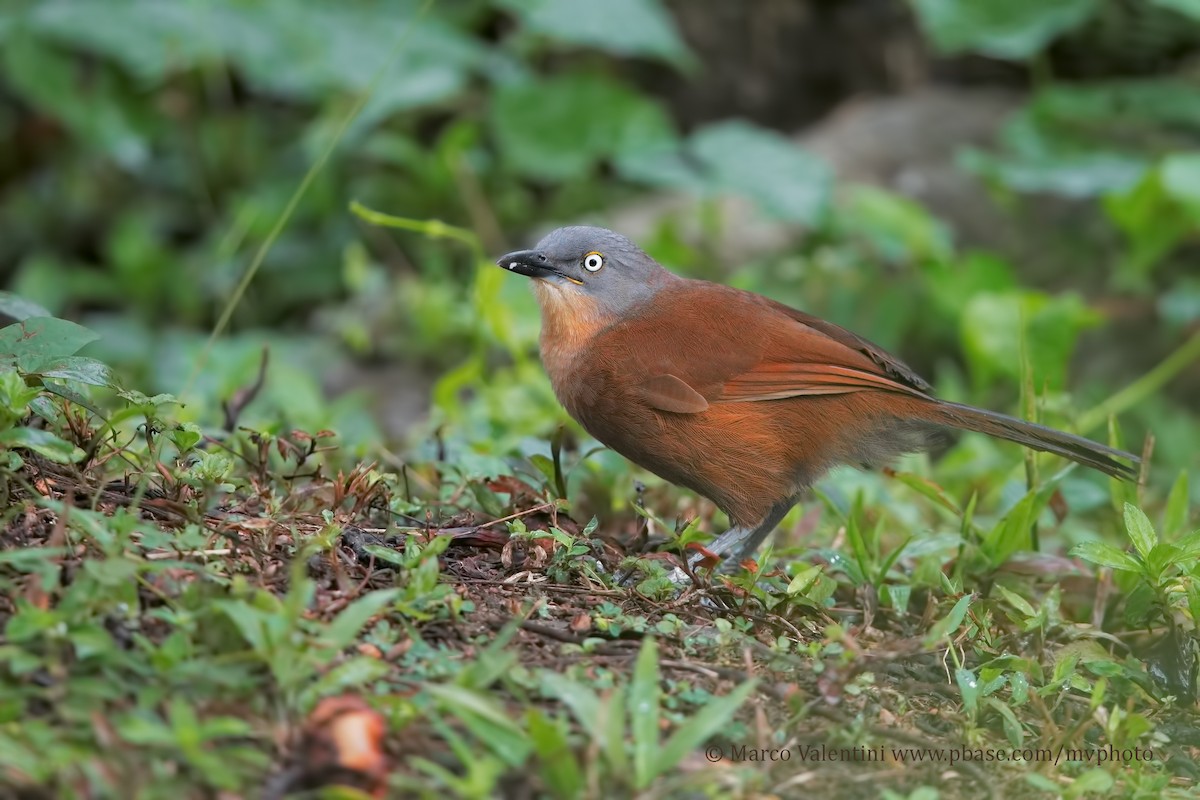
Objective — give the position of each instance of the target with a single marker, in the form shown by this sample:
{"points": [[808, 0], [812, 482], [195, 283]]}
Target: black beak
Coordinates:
{"points": [[530, 263]]}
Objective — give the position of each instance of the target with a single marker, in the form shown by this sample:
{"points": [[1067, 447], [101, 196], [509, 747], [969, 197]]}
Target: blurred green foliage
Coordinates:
{"points": [[151, 148]]}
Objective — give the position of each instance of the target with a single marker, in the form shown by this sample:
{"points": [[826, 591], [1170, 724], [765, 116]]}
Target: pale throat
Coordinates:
{"points": [[569, 321]]}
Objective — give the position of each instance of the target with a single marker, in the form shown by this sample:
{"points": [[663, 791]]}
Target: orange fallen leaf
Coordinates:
{"points": [[709, 558], [342, 745]]}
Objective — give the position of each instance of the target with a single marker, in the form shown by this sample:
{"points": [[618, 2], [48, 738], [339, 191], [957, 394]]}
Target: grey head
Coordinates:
{"points": [[593, 263]]}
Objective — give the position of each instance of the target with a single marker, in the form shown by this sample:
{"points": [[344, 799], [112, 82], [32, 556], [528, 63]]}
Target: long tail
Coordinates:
{"points": [[1039, 437]]}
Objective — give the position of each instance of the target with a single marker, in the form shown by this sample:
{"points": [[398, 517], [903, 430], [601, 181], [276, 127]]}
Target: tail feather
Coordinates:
{"points": [[1039, 437]]}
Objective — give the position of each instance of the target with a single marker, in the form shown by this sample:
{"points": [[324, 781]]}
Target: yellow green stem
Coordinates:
{"points": [[433, 228], [1143, 387], [294, 201]]}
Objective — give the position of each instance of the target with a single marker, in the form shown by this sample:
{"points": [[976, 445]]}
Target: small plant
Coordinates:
{"points": [[1161, 584], [624, 726], [41, 371]]}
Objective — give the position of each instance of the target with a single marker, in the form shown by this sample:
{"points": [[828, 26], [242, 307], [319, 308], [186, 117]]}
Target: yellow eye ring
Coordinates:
{"points": [[593, 261]]}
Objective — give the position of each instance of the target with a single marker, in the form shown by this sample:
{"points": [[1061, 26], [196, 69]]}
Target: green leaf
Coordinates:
{"points": [[738, 157], [1074, 174], [136, 398], [1013, 531], [462, 699], [355, 674], [46, 77], [44, 443], [1142, 605], [621, 27], [1010, 29], [143, 729], [1179, 306], [1080, 140], [710, 719], [79, 369], [1016, 601], [558, 766], [991, 333], [307, 50], [804, 579], [1095, 781], [495, 660], [644, 714], [1012, 727], [1140, 103], [1153, 220], [346, 625], [227, 727], [46, 409], [1141, 531], [968, 687], [1043, 784], [1181, 176], [581, 700], [1068, 658], [864, 567], [611, 734], [1106, 556], [898, 596], [899, 228], [1189, 8], [252, 623], [186, 436], [485, 718], [928, 489], [950, 623], [1160, 557], [112, 571], [39, 341], [559, 128], [1188, 545], [19, 308]]}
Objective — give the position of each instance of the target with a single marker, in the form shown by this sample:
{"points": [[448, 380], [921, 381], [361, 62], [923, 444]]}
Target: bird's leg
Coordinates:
{"points": [[738, 543]]}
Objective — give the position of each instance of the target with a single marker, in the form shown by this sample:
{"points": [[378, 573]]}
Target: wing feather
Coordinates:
{"points": [[669, 393], [776, 381]]}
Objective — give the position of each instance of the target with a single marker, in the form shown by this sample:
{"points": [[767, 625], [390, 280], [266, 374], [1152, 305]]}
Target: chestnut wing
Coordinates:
{"points": [[713, 344]]}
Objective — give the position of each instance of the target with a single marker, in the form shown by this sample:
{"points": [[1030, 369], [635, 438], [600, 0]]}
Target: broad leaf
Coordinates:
{"points": [[949, 624], [486, 719], [19, 308], [644, 714], [1181, 176], [737, 157], [42, 442], [695, 731], [1189, 8], [1013, 29], [39, 341], [991, 333], [1106, 556], [79, 369], [621, 27], [1141, 531], [349, 622], [559, 128], [1175, 516]]}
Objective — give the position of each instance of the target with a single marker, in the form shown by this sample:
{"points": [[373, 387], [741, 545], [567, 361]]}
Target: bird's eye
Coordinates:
{"points": [[593, 261]]}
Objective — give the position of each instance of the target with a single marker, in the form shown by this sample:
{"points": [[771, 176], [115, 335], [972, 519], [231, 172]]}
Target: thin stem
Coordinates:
{"points": [[297, 195], [433, 228], [1143, 387]]}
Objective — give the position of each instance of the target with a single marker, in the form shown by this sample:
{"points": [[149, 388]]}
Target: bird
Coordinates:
{"points": [[743, 400]]}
